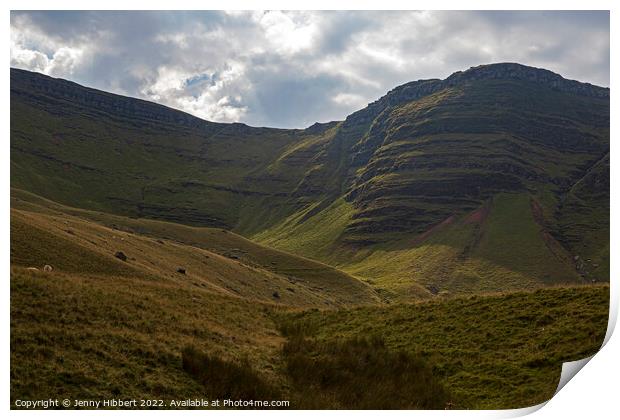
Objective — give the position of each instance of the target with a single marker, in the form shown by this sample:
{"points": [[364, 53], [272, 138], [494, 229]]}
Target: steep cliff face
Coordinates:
{"points": [[447, 152], [394, 175], [48, 91], [434, 148]]}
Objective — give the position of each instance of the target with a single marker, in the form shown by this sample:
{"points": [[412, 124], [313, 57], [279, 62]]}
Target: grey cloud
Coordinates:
{"points": [[291, 69]]}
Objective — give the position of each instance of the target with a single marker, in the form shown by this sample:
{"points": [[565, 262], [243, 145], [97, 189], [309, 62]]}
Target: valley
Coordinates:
{"points": [[99, 327], [449, 241]]}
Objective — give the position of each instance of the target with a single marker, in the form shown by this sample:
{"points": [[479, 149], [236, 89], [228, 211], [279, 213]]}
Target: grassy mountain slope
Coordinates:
{"points": [[83, 242], [429, 162], [448, 152], [156, 162], [494, 179], [380, 186], [96, 336], [583, 221], [99, 328], [101, 336], [502, 245], [492, 352]]}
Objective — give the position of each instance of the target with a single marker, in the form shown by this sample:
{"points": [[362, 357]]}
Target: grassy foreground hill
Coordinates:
{"points": [[438, 177], [491, 352], [97, 327], [445, 247]]}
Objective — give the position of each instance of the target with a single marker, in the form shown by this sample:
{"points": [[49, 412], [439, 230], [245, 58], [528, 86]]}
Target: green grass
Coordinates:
{"points": [[102, 337], [513, 239], [97, 327], [490, 352], [307, 233], [354, 195], [96, 337], [227, 380], [583, 221], [488, 186], [507, 249], [35, 247]]}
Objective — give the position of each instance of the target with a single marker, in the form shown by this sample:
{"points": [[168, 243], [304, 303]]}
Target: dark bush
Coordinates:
{"points": [[335, 374], [224, 379], [360, 374]]}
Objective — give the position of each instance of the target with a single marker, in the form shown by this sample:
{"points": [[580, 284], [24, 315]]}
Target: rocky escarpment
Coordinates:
{"points": [[434, 148], [424, 152], [514, 71], [501, 71], [47, 90], [416, 90]]}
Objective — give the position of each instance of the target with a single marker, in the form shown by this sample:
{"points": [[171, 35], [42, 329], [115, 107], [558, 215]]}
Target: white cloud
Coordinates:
{"points": [[218, 98], [168, 81], [32, 60], [64, 61], [289, 69], [349, 99], [33, 50], [289, 33]]}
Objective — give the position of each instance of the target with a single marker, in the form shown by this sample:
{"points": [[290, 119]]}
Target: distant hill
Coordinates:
{"points": [[495, 178]]}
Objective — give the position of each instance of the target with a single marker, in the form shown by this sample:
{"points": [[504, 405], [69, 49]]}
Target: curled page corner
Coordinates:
{"points": [[521, 412], [569, 370]]}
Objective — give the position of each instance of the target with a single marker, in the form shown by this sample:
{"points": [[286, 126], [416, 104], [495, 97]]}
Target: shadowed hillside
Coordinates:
{"points": [[86, 243], [438, 177]]}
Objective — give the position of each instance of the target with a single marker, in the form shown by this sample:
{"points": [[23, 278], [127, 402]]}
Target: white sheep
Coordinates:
{"points": [[47, 268]]}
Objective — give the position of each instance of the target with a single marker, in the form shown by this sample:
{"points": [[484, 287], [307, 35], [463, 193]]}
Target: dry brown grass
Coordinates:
{"points": [[97, 337]]}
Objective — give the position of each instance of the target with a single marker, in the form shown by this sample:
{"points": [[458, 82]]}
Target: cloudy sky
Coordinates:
{"points": [[290, 69]]}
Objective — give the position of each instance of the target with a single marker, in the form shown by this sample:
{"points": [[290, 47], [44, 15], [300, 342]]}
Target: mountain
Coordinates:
{"points": [[193, 258], [493, 179]]}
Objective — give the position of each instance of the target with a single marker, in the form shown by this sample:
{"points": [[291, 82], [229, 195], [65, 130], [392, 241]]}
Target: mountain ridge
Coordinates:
{"points": [[344, 192], [406, 92]]}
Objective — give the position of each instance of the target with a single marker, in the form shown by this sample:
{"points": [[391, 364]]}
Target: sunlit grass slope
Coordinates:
{"points": [[79, 241], [491, 352], [503, 245]]}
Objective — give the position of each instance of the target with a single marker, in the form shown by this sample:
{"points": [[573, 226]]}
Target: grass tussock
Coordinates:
{"points": [[337, 374], [226, 379], [360, 373]]}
